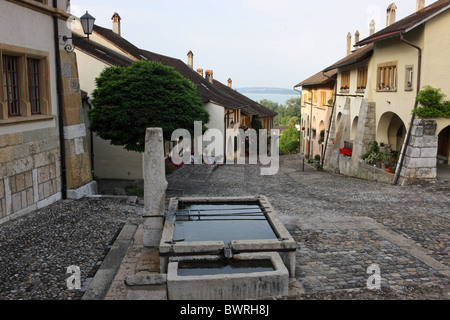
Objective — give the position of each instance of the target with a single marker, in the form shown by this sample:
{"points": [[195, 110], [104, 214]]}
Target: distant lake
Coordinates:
{"points": [[279, 98]]}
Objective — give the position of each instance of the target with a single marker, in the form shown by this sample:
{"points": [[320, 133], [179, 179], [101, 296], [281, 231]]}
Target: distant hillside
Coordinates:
{"points": [[264, 90]]}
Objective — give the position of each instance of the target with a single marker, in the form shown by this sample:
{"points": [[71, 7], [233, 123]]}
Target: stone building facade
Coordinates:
{"points": [[43, 146]]}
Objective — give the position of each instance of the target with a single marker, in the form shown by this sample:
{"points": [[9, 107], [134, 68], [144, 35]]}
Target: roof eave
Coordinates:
{"points": [[402, 31]]}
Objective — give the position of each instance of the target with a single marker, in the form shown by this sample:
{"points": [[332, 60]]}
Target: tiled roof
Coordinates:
{"points": [[208, 92], [318, 78], [355, 57], [252, 108], [107, 55], [408, 23], [118, 41]]}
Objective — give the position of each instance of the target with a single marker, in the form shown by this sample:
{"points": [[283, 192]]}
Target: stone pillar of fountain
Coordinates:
{"points": [[155, 187]]}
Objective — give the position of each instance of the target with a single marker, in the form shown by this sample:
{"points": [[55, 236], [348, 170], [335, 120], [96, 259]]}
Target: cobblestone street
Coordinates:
{"points": [[344, 225]]}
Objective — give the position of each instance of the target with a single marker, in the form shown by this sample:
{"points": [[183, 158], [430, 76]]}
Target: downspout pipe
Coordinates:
{"points": [[295, 88], [408, 135], [90, 107], [331, 117], [60, 106]]}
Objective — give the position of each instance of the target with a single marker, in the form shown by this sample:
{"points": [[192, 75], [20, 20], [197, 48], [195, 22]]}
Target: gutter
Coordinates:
{"points": [[408, 136], [60, 106]]}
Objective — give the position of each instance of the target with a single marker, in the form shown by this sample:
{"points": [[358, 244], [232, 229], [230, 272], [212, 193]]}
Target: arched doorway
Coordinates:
{"points": [[443, 167], [444, 146], [391, 130]]}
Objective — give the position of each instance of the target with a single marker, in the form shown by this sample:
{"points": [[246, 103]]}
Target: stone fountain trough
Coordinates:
{"points": [[224, 226], [248, 276]]}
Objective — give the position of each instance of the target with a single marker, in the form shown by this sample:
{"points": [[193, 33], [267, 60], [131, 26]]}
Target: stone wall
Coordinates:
{"points": [[29, 170], [420, 163], [77, 161]]}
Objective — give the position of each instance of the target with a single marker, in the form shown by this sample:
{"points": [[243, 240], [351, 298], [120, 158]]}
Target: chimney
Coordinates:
{"points": [[209, 75], [372, 27], [420, 4], [357, 34], [349, 43], [230, 83], [116, 23], [200, 72], [391, 14], [190, 59]]}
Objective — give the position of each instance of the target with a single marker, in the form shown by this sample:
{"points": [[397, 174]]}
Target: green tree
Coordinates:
{"points": [[285, 112], [290, 141], [146, 94]]}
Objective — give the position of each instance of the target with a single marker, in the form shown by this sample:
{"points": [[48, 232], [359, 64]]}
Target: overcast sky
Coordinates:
{"points": [[256, 43]]}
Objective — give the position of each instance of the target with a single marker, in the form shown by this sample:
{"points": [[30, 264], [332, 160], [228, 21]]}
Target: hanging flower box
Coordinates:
{"points": [[361, 89], [345, 89]]}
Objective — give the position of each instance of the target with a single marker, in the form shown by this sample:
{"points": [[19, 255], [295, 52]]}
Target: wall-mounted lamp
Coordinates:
{"points": [[87, 22]]}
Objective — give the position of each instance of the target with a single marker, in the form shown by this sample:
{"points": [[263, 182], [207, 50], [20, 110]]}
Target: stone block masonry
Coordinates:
{"points": [[77, 164], [30, 171], [420, 155]]}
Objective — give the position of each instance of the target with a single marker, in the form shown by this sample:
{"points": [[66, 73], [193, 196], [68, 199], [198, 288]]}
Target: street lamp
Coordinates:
{"points": [[87, 22]]}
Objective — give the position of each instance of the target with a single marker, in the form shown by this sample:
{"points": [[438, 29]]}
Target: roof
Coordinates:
{"points": [[355, 57], [409, 23], [318, 78], [208, 92], [121, 43], [105, 54], [252, 108]]}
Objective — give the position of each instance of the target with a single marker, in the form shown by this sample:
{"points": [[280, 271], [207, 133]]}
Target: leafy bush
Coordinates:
{"points": [[432, 105]]}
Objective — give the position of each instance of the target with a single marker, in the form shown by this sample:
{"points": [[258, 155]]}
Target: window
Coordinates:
{"points": [[345, 81], [387, 77], [409, 78], [323, 98], [11, 85], [362, 80], [24, 83], [33, 86]]}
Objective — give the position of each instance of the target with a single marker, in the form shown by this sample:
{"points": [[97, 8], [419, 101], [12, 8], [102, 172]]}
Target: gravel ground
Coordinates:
{"points": [[36, 250]]}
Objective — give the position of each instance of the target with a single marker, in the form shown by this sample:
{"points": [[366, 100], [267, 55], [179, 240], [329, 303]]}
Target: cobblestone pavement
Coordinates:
{"points": [[344, 225]]}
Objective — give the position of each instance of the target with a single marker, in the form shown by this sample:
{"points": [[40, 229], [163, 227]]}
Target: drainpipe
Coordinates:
{"points": [[408, 136], [60, 106], [331, 117], [300, 146], [86, 99]]}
